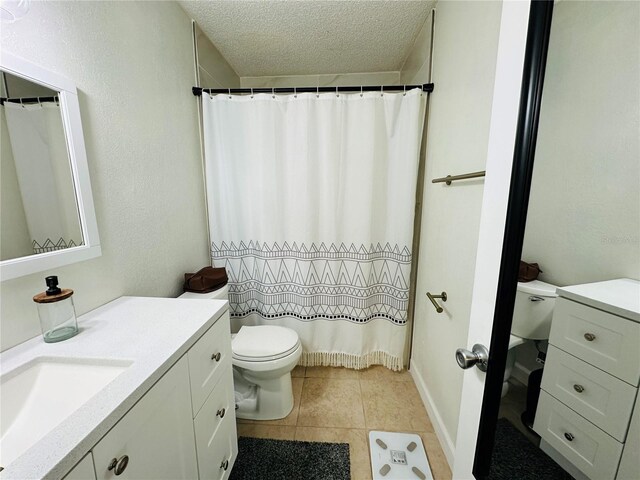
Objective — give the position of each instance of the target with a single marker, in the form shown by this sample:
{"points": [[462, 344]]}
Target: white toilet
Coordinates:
{"points": [[263, 357], [532, 315]]}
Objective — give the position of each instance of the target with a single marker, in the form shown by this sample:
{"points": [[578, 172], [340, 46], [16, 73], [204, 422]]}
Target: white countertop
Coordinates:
{"points": [[153, 333], [620, 296]]}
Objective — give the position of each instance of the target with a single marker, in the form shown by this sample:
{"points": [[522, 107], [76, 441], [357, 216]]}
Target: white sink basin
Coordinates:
{"points": [[40, 394]]}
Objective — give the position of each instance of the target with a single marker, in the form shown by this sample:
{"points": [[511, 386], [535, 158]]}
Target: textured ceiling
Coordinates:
{"points": [[288, 37]]}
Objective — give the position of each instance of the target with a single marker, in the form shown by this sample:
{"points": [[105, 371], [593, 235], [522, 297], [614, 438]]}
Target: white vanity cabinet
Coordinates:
{"points": [[154, 440], [590, 380], [83, 470], [190, 409]]}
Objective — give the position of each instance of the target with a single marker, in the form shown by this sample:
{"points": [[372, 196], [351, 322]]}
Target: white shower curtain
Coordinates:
{"points": [[39, 148], [311, 207]]}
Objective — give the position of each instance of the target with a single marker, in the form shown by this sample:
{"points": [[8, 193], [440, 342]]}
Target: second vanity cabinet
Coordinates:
{"points": [[190, 409], [591, 376]]}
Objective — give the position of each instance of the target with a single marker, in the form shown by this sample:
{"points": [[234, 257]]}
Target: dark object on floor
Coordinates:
{"points": [[533, 393], [260, 458], [515, 457]]}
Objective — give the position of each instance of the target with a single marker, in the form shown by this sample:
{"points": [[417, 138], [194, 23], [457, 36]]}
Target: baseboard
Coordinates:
{"points": [[436, 420], [521, 373]]}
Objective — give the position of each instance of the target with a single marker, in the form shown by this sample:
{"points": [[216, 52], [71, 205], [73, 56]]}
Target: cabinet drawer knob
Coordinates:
{"points": [[224, 465], [589, 337], [216, 356], [118, 465], [578, 388], [220, 413], [569, 436]]}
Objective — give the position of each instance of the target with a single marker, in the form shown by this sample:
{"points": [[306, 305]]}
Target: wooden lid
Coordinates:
{"points": [[42, 297]]}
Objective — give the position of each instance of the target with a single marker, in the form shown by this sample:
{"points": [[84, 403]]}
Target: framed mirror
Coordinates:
{"points": [[47, 216]]}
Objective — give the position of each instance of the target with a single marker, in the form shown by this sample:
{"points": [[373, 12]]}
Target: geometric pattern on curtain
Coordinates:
{"points": [[307, 282]]}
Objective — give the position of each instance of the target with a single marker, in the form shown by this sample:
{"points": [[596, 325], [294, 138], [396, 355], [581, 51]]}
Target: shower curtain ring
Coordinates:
{"points": [[337, 94], [295, 92], [229, 94], [361, 89], [381, 91], [252, 93], [273, 92], [21, 104], [405, 91], [317, 92]]}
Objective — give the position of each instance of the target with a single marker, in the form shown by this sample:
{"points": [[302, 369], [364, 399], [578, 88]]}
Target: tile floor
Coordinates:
{"points": [[342, 405]]}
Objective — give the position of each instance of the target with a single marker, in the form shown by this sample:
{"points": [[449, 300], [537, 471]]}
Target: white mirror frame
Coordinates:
{"points": [[70, 108]]}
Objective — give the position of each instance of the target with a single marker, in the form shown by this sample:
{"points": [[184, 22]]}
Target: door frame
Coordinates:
{"points": [[535, 61], [524, 38]]}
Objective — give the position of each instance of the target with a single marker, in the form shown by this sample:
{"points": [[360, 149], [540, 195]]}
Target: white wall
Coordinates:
{"points": [[323, 80], [416, 67], [133, 65], [213, 69], [464, 60], [583, 223]]}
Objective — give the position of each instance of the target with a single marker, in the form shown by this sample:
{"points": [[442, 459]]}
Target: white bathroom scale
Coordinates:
{"points": [[398, 456]]}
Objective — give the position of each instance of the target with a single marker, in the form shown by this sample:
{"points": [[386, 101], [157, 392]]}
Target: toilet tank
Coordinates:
{"points": [[220, 294], [533, 310]]}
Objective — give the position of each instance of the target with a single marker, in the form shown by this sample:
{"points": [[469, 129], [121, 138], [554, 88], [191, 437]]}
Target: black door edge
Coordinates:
{"points": [[535, 59]]}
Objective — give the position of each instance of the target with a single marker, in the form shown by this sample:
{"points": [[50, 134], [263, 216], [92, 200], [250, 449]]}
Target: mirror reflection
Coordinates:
{"points": [[37, 196]]}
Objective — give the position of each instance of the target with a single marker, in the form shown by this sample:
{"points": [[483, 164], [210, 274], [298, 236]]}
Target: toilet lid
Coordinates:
{"points": [[264, 342]]}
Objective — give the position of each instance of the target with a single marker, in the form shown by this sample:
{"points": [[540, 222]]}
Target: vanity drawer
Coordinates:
{"points": [[604, 340], [216, 437], [209, 359], [599, 397], [588, 448]]}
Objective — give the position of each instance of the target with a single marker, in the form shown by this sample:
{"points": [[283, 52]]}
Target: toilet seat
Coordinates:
{"points": [[264, 343]]}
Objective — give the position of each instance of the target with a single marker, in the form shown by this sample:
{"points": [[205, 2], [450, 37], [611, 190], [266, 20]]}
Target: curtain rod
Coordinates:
{"points": [[427, 87], [28, 99]]}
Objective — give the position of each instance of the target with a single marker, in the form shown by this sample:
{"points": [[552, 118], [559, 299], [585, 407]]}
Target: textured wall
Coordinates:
{"points": [[583, 223], [464, 60], [324, 80], [416, 67], [133, 65], [213, 68]]}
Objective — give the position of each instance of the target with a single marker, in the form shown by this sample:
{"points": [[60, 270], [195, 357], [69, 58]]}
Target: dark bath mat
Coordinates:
{"points": [[515, 457], [260, 458]]}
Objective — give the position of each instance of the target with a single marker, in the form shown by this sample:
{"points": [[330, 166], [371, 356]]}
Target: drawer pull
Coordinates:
{"points": [[118, 465], [589, 337], [224, 465], [220, 413], [535, 298], [578, 388], [216, 356], [569, 436]]}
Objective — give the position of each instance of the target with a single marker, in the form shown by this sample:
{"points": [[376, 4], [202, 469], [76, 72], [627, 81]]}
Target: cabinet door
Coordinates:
{"points": [[83, 470], [155, 436]]}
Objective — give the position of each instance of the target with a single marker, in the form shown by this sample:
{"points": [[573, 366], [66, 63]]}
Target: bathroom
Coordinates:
{"points": [[133, 66]]}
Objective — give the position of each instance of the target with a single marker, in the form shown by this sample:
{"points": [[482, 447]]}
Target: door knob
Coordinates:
{"points": [[478, 356]]}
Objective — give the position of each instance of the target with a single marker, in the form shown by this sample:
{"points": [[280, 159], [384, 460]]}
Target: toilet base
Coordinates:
{"points": [[272, 398]]}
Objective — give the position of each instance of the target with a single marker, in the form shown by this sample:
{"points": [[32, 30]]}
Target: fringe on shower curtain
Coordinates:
{"points": [[357, 362]]}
